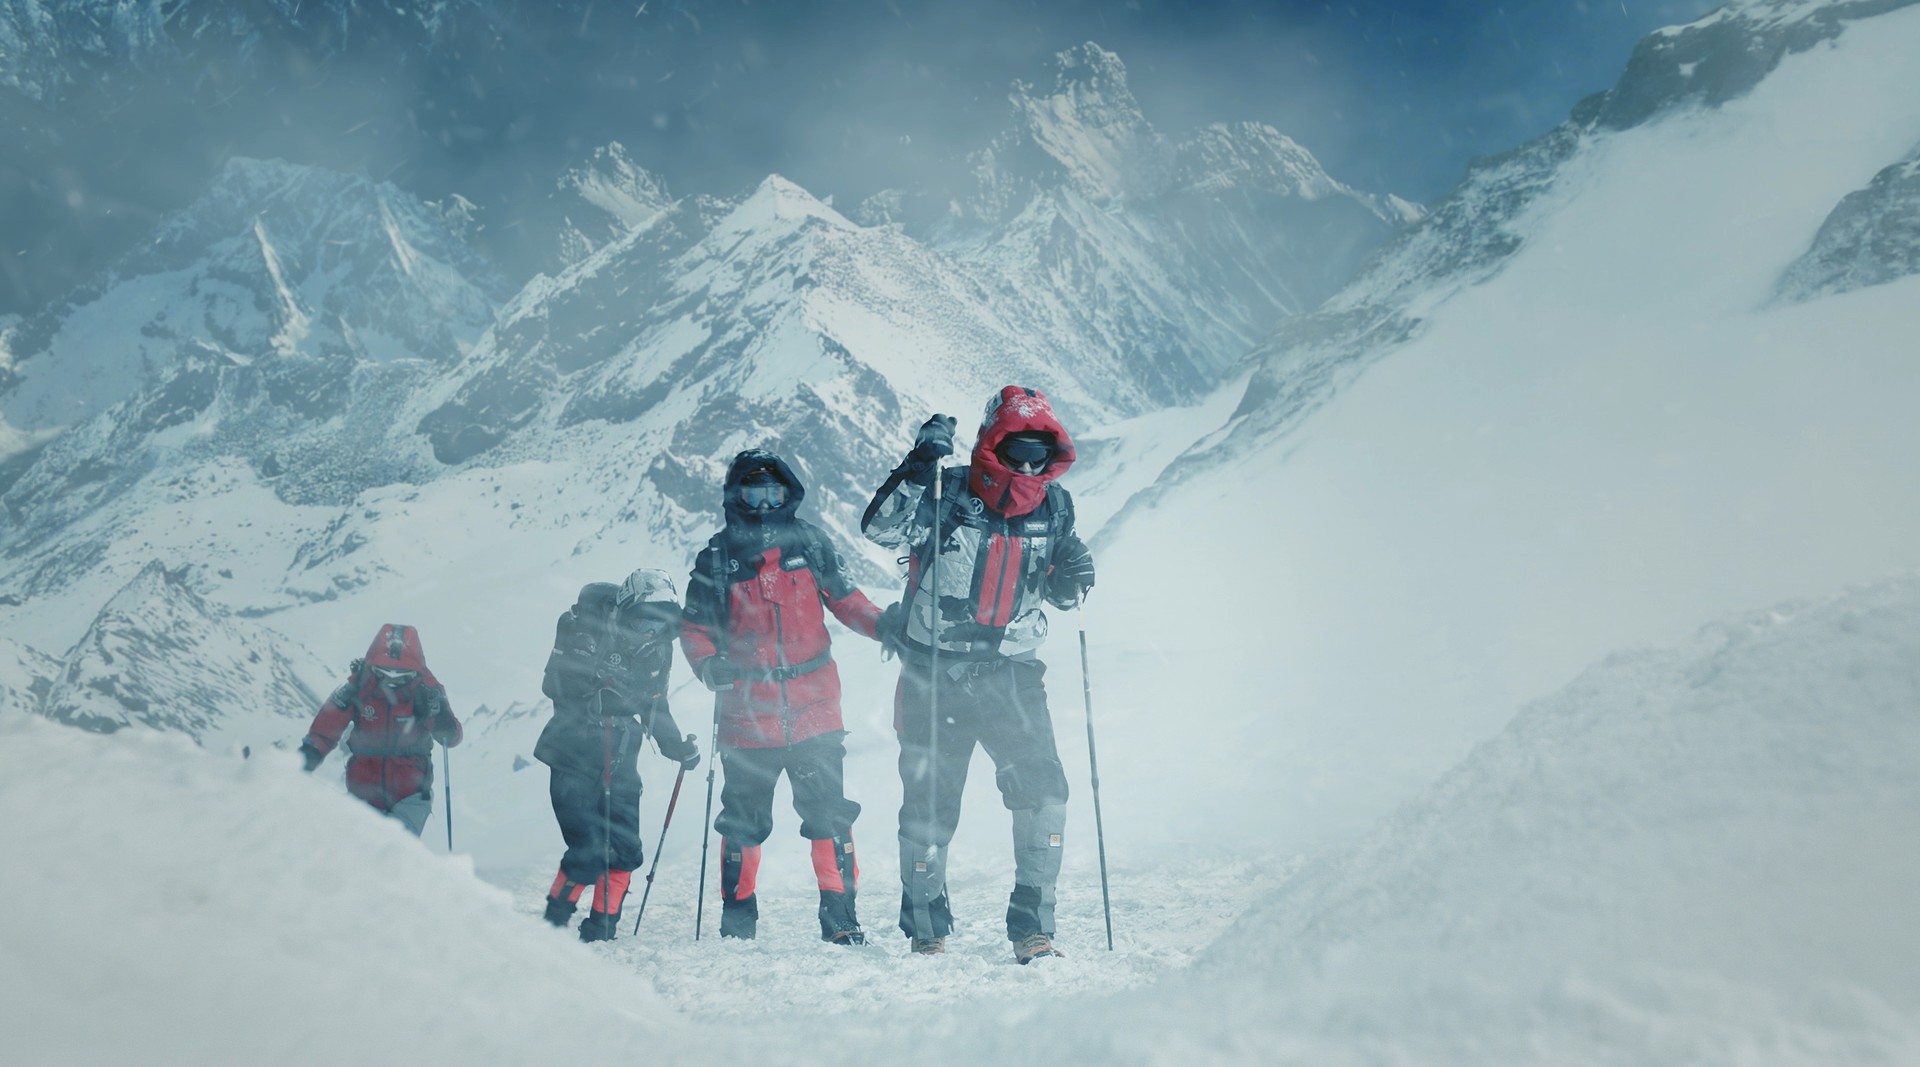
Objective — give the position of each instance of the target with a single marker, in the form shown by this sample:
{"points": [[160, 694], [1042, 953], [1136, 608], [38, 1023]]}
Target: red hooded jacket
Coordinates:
{"points": [[759, 594], [389, 733]]}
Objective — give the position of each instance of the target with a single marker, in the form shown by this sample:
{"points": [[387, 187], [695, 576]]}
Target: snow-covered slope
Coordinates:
{"points": [[276, 262], [160, 656], [26, 673], [1700, 855], [1697, 855], [270, 918], [1560, 417]]}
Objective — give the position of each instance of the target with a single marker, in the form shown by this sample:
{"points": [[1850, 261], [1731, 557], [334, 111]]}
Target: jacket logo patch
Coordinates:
{"points": [[1037, 527]]}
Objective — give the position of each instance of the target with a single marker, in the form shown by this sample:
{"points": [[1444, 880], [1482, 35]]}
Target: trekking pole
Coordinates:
{"points": [[604, 889], [706, 826], [933, 665], [671, 801], [1093, 762], [446, 770]]}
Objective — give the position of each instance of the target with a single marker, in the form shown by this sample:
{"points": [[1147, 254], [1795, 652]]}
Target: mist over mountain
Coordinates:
{"points": [[1378, 493], [847, 97]]}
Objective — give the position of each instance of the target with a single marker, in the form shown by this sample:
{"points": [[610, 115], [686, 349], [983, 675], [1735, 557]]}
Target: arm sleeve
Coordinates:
{"points": [[700, 618], [840, 595], [857, 612], [446, 728], [660, 721], [894, 518], [332, 721]]}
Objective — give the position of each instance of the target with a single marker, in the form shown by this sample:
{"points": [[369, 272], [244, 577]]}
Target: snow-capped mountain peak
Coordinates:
{"points": [[275, 260], [1091, 126], [605, 198]]}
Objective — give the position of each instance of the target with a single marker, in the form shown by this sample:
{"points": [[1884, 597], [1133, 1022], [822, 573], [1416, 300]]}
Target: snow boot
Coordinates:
{"points": [[600, 926], [1033, 947], [1036, 868], [928, 946], [837, 873], [924, 911], [739, 875], [563, 899], [739, 918]]}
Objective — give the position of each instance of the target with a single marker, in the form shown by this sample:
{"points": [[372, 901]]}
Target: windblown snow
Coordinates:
{"points": [[1379, 784]]}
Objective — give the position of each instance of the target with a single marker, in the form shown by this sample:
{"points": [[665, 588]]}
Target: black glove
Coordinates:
{"points": [[718, 672], [891, 629], [680, 750], [1072, 572], [932, 444], [312, 755]]}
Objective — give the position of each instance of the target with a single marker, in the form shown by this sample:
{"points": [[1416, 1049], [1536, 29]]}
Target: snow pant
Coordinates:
{"points": [[1000, 705], [375, 779], [601, 827], [816, 775]]}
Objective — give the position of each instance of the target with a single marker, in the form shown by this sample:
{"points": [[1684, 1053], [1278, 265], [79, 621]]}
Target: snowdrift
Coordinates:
{"points": [[1702, 855], [164, 905]]}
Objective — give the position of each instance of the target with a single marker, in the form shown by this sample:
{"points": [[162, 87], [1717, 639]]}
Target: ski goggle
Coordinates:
{"points": [[392, 677], [1024, 455], [650, 630], [764, 496]]}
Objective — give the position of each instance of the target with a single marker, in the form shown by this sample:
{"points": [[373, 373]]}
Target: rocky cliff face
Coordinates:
{"points": [[161, 657], [1872, 237]]}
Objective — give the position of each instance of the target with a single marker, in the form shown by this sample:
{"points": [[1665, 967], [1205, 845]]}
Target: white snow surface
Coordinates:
{"points": [[1695, 856], [1610, 440], [1700, 855]]}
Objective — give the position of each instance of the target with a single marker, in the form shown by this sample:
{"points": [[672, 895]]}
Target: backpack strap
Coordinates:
{"points": [[347, 697], [1060, 512], [717, 570]]}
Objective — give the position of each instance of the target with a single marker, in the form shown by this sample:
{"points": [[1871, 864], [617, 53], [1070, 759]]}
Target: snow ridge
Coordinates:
{"points": [[161, 657]]}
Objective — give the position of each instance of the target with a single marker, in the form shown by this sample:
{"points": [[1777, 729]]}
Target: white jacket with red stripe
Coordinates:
{"points": [[994, 570]]}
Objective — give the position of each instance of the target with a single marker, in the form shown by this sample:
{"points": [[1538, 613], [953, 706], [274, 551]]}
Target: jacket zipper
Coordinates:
{"points": [[780, 657]]}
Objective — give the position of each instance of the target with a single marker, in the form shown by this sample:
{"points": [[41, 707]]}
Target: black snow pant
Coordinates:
{"points": [[816, 774], [1000, 705], [600, 836]]}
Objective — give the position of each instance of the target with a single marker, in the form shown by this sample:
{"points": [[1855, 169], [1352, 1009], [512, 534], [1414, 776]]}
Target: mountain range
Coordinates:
{"points": [[306, 356]]}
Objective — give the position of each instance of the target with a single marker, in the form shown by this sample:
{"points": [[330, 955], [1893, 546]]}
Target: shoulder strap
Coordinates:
{"points": [[950, 492], [1060, 512], [717, 576]]}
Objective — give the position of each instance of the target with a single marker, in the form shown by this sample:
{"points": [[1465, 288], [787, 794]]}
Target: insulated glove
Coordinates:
{"points": [[892, 631], [717, 673], [932, 444], [680, 750], [935, 439], [312, 755], [1072, 572]]}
